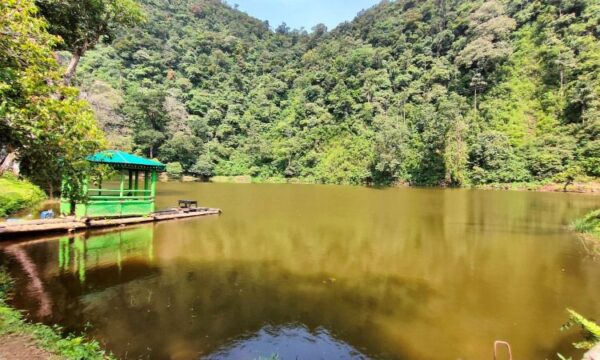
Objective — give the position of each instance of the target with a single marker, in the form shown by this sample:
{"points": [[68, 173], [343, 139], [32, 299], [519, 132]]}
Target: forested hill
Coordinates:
{"points": [[425, 92]]}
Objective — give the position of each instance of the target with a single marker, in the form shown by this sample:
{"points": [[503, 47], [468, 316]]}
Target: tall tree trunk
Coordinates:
{"points": [[73, 206], [72, 67], [76, 55]]}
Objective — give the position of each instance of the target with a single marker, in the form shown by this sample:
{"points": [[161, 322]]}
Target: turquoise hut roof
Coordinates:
{"points": [[122, 160]]}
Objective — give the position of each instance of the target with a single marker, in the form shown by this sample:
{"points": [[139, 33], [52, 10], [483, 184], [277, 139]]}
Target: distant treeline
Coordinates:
{"points": [[430, 92]]}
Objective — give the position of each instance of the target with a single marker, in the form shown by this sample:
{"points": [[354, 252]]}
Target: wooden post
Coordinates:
{"points": [[119, 257], [130, 180], [146, 183], [86, 187], [122, 186], [153, 186], [63, 253], [80, 251], [135, 186], [151, 249], [153, 189]]}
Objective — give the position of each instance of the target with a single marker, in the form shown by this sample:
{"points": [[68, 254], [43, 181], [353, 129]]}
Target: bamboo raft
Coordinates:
{"points": [[71, 224]]}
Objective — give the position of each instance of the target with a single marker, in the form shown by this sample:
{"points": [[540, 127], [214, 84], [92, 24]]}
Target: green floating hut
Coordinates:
{"points": [[135, 195]]}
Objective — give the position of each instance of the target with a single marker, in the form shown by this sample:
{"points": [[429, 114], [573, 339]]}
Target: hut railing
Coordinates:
{"points": [[113, 194]]}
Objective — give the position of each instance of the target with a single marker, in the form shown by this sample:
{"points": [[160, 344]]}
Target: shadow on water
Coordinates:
{"points": [[214, 309], [199, 306]]}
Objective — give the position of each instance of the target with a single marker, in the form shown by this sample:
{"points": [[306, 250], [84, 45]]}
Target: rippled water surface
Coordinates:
{"points": [[322, 272]]}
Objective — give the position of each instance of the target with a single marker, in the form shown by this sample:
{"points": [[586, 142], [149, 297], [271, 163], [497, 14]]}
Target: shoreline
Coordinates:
{"points": [[585, 188], [589, 187], [581, 187]]}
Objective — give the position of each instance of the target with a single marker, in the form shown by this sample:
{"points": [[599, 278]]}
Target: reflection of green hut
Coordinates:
{"points": [[78, 254], [130, 199]]}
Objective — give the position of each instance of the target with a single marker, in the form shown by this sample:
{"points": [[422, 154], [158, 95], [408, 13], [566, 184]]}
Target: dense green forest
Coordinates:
{"points": [[431, 92], [425, 92]]}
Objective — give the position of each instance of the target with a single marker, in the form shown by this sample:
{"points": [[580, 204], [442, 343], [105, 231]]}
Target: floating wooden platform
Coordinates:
{"points": [[70, 224]]}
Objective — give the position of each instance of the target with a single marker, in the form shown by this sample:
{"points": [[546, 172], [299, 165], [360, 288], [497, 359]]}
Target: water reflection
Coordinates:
{"points": [[195, 308], [78, 253], [35, 286], [391, 274], [60, 271], [287, 342]]}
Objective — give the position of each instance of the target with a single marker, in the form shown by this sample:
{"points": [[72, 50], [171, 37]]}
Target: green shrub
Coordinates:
{"points": [[238, 163], [174, 170], [589, 224], [242, 179], [494, 160], [16, 195], [345, 161]]}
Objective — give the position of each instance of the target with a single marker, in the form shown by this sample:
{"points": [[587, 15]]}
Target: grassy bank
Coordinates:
{"points": [[16, 195], [546, 186], [49, 339], [589, 224], [588, 187], [245, 179]]}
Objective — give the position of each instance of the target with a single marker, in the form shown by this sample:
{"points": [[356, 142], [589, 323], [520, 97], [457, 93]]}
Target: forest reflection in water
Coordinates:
{"points": [[344, 272]]}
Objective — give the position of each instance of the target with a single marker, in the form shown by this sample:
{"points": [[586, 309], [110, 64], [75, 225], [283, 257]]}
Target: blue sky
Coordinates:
{"points": [[303, 13]]}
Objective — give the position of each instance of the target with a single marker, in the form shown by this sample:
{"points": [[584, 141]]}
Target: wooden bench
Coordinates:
{"points": [[188, 204]]}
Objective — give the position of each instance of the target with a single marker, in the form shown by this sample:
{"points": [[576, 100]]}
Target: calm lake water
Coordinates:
{"points": [[322, 272]]}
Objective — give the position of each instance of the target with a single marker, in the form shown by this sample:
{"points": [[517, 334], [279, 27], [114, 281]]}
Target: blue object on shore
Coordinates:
{"points": [[47, 214]]}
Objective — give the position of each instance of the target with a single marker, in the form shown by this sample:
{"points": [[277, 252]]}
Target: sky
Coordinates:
{"points": [[303, 13]]}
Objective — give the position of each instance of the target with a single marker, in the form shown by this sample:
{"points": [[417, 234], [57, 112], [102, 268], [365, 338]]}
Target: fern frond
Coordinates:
{"points": [[588, 325]]}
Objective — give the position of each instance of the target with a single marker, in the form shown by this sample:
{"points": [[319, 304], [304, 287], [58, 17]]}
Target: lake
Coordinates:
{"points": [[322, 272]]}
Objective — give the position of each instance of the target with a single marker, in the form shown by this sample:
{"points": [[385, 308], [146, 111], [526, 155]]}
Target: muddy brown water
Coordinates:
{"points": [[322, 272]]}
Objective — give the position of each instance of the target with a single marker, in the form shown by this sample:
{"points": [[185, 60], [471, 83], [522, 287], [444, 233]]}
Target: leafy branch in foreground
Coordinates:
{"points": [[41, 120], [591, 329]]}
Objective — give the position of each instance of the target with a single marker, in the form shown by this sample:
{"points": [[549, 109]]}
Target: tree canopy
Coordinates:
{"points": [[431, 92], [44, 122], [81, 24]]}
